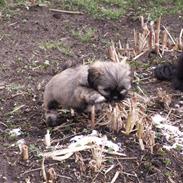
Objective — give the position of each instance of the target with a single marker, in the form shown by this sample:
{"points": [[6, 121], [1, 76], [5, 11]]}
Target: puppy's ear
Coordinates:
{"points": [[93, 75]]}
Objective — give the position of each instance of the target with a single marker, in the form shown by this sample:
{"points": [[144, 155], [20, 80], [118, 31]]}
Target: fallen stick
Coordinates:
{"points": [[125, 49], [115, 177], [65, 177], [124, 158], [68, 12], [43, 169], [109, 169], [139, 55], [37, 169], [172, 39]]}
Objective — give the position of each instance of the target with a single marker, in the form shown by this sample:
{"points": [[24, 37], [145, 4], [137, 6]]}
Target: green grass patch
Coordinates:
{"points": [[85, 35], [2, 2], [114, 9], [108, 9], [51, 45], [156, 8]]}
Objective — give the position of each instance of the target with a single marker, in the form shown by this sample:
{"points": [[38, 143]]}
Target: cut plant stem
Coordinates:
{"points": [[93, 116], [157, 41], [135, 40], [114, 121], [142, 21], [111, 53], [157, 33], [51, 175], [141, 144], [72, 112], [180, 44], [151, 36], [25, 152], [164, 41], [47, 139]]}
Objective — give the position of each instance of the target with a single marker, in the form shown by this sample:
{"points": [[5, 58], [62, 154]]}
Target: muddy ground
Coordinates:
{"points": [[27, 63]]}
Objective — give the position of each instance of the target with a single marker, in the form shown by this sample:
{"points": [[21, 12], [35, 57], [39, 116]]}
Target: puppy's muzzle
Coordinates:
{"points": [[119, 95]]}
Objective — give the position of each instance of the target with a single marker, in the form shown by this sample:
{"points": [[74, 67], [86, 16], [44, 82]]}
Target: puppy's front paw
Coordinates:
{"points": [[96, 98], [100, 99]]}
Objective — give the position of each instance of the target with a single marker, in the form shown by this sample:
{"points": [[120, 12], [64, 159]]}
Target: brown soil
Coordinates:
{"points": [[24, 71]]}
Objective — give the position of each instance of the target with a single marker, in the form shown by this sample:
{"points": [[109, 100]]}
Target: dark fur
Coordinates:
{"points": [[171, 72], [165, 72], [81, 87]]}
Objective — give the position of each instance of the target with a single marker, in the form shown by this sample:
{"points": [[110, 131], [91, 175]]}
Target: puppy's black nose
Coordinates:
{"points": [[115, 97], [51, 122], [119, 95]]}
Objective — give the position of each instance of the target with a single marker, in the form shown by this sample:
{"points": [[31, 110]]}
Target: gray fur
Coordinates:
{"points": [[110, 79], [81, 87]]}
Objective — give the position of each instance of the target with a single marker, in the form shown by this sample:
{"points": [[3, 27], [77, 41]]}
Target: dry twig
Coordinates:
{"points": [[172, 39], [65, 11], [43, 169], [115, 177]]}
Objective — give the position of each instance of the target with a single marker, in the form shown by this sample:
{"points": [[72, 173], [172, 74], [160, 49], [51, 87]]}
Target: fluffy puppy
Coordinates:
{"points": [[171, 72], [112, 80], [86, 85]]}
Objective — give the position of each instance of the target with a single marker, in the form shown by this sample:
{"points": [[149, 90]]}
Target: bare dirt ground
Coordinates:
{"points": [[27, 63]]}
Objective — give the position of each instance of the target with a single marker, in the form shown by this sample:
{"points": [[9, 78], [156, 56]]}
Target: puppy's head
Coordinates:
{"points": [[52, 119], [110, 79]]}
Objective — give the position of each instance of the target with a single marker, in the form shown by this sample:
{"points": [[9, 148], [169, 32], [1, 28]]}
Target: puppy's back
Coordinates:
{"points": [[61, 87]]}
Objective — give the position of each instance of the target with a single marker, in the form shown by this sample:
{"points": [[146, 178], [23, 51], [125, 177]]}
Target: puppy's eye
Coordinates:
{"points": [[123, 92], [107, 89]]}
